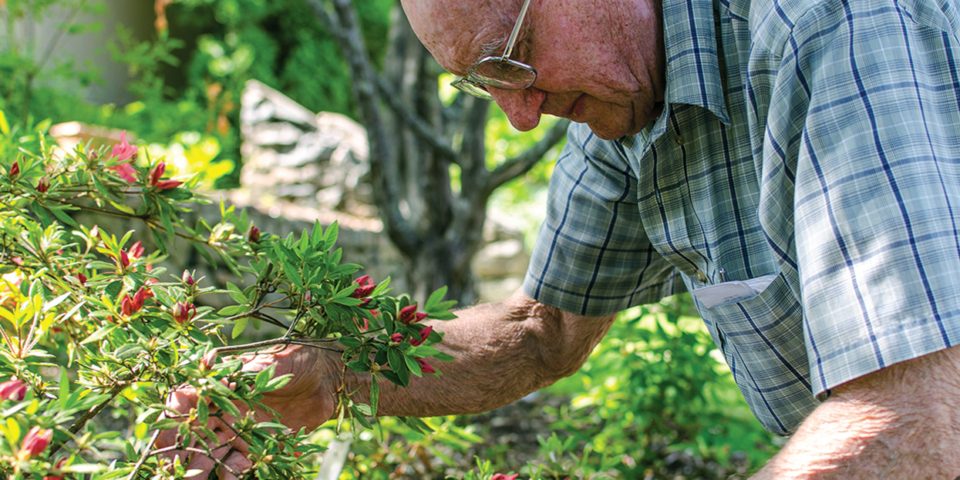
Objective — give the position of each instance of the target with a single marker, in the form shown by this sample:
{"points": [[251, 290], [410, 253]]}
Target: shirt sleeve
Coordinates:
{"points": [[876, 204], [592, 256]]}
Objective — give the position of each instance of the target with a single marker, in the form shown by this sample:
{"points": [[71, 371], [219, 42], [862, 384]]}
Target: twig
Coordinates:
{"points": [[143, 457]]}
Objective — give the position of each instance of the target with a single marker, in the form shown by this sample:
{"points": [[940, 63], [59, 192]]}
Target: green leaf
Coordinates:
{"points": [[330, 236], [264, 376], [99, 334], [236, 294], [238, 327], [56, 301], [277, 383], [231, 310], [398, 365], [435, 298], [413, 365], [374, 395]]}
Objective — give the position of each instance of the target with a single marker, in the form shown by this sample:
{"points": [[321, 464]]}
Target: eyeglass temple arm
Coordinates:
{"points": [[516, 29]]}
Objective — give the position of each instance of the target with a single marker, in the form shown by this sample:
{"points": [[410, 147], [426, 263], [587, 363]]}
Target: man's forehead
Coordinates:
{"points": [[456, 31]]}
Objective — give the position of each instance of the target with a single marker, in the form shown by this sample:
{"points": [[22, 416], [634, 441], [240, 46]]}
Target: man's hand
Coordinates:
{"points": [[900, 422], [308, 400]]}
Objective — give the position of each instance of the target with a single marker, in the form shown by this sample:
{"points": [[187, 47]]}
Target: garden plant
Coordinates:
{"points": [[96, 333]]}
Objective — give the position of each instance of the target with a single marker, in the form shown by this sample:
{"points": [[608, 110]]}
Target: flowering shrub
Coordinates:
{"points": [[96, 334]]}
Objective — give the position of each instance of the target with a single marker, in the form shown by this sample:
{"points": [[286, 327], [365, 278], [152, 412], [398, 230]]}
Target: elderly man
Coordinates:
{"points": [[794, 165]]}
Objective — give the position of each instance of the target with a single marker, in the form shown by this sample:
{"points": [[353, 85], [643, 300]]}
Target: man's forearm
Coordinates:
{"points": [[501, 352], [900, 422]]}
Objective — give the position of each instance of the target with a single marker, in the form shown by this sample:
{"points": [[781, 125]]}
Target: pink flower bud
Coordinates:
{"points": [[425, 366], [14, 170], [136, 250], [167, 184], [124, 259], [82, 279], [501, 476], [408, 314], [187, 278], [43, 185], [35, 443], [396, 337], [424, 334], [253, 234], [183, 312], [130, 305], [208, 360], [14, 389], [157, 173], [365, 287]]}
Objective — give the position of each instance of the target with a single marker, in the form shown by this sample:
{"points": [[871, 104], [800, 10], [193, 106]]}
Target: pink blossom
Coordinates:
{"points": [[410, 315], [364, 288], [125, 171], [396, 337], [136, 250], [424, 334], [14, 389], [253, 235], [130, 305], [35, 443], [123, 151], [501, 476], [157, 174], [425, 366], [183, 312]]}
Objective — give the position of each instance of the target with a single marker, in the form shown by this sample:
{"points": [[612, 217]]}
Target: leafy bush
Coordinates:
{"points": [[95, 333], [655, 398]]}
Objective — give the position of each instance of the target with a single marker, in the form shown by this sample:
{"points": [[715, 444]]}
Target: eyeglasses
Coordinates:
{"points": [[499, 72]]}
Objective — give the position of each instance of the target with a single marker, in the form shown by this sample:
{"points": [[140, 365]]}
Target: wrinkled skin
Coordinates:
{"points": [[599, 62], [307, 401]]}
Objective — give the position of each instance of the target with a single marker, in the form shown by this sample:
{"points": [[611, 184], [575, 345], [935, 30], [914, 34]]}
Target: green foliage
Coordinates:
{"points": [[30, 80], [92, 324], [656, 392]]}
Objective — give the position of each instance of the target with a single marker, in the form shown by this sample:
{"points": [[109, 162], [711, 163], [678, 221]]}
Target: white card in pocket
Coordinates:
{"points": [[735, 291]]}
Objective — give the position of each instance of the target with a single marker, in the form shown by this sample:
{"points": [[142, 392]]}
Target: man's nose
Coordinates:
{"points": [[521, 106]]}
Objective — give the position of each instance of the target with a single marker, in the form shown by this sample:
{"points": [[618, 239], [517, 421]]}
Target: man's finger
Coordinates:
{"points": [[207, 463], [233, 466]]}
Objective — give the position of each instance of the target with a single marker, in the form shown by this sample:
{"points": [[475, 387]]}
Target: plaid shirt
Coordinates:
{"points": [[815, 144]]}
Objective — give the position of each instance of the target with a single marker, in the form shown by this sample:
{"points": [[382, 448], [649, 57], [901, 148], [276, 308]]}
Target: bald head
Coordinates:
{"points": [[455, 31]]}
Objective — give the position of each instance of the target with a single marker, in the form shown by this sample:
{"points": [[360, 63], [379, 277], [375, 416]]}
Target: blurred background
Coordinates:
{"points": [[304, 110]]}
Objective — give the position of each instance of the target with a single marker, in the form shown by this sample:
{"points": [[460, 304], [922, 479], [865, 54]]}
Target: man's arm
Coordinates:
{"points": [[501, 352], [899, 422]]}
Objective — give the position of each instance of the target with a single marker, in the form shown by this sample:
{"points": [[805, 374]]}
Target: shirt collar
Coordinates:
{"points": [[693, 66]]}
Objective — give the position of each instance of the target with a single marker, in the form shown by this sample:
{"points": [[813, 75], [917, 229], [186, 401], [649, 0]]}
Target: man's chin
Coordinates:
{"points": [[608, 132]]}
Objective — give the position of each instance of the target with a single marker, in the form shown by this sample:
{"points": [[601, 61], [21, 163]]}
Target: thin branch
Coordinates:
{"points": [[386, 187], [516, 166], [425, 131], [144, 456]]}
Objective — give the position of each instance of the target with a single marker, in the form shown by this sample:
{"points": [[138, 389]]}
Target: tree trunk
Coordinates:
{"points": [[437, 228]]}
